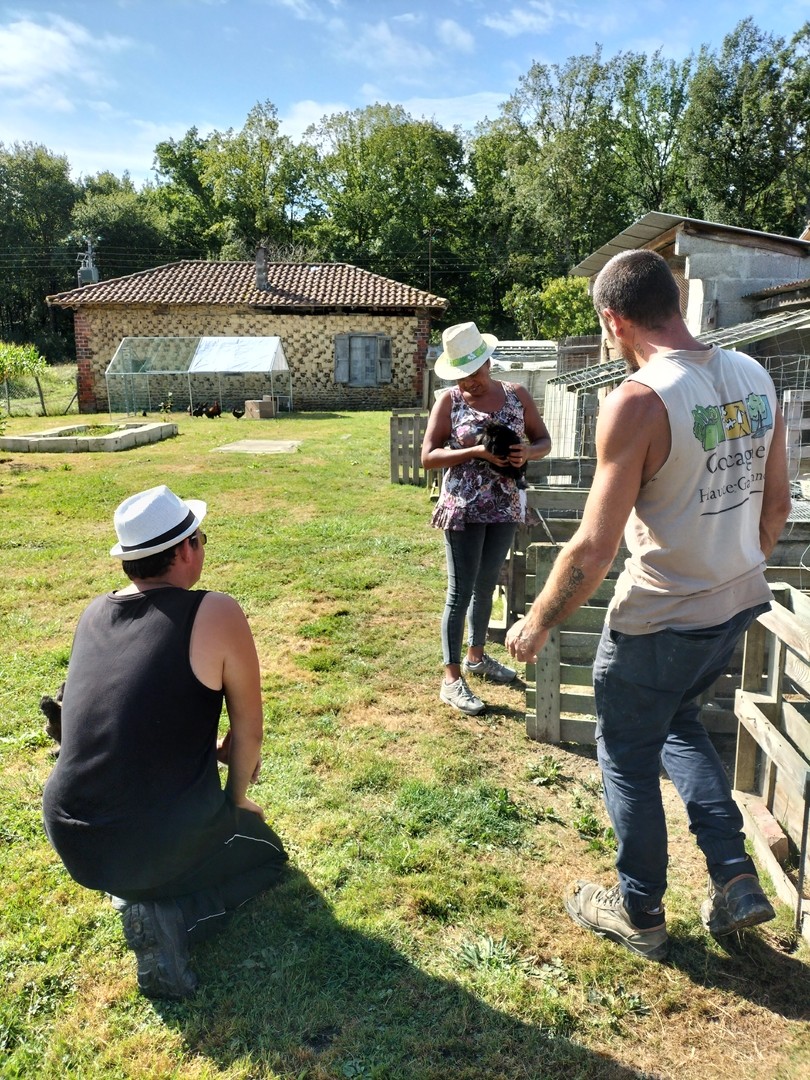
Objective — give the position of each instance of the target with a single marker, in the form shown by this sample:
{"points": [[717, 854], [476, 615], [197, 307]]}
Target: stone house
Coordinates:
{"points": [[352, 339]]}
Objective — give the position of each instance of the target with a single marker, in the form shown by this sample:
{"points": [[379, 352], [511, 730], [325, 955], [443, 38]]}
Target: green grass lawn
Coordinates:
{"points": [[420, 933]]}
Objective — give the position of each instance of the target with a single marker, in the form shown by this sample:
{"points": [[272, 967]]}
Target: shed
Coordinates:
{"points": [[147, 372]]}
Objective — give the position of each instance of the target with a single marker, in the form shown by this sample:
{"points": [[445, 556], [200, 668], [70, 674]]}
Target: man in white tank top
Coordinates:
{"points": [[691, 469]]}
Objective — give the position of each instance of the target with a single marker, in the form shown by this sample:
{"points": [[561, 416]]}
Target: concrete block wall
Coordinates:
{"points": [[308, 342], [721, 273]]}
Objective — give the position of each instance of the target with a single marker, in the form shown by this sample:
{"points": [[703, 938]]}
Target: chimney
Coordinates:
{"points": [[261, 269]]}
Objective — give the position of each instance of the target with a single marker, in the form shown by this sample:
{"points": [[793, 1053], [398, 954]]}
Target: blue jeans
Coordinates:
{"points": [[475, 556], [646, 689]]}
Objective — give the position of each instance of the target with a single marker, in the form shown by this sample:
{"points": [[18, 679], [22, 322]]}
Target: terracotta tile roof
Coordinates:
{"points": [[290, 286]]}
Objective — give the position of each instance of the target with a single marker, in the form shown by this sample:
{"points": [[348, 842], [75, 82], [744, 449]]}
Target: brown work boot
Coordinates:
{"points": [[603, 912], [739, 903]]}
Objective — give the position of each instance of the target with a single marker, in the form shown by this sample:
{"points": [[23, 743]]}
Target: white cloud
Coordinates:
{"points": [[454, 36], [377, 47], [302, 114], [305, 10], [537, 17], [50, 57], [464, 111], [541, 16]]}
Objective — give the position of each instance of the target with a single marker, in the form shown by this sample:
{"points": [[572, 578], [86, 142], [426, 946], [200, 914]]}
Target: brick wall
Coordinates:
{"points": [[308, 342]]}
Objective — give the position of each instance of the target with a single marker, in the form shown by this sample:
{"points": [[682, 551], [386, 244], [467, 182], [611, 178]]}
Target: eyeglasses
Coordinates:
{"points": [[200, 535]]}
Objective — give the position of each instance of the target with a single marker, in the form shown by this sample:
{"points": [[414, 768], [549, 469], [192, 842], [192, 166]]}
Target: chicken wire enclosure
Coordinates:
{"points": [[571, 405], [151, 374]]}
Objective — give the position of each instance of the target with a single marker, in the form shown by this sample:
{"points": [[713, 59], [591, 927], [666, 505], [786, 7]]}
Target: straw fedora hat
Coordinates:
{"points": [[464, 350], [154, 520]]}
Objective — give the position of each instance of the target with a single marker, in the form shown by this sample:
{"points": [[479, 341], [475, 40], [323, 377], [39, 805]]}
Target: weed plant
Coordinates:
{"points": [[420, 933]]}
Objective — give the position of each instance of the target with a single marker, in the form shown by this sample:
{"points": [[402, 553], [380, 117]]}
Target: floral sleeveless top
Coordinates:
{"points": [[474, 492]]}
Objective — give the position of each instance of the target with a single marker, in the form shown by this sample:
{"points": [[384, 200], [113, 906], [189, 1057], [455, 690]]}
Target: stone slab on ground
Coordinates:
{"points": [[259, 446]]}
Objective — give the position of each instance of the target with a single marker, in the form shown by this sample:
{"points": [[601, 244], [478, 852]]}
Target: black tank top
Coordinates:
{"points": [[135, 797]]}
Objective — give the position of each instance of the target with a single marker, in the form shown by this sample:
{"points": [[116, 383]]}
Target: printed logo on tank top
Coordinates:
{"points": [[734, 463]]}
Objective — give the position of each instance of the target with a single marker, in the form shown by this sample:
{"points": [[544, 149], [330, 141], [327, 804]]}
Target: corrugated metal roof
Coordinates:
{"points": [[525, 351], [777, 290], [768, 326], [779, 322], [653, 225], [591, 377]]}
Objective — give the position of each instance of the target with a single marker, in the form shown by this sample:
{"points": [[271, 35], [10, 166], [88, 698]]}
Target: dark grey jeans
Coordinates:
{"points": [[475, 556], [646, 689]]}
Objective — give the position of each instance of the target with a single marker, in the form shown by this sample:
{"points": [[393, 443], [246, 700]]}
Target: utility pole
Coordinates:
{"points": [[88, 271]]}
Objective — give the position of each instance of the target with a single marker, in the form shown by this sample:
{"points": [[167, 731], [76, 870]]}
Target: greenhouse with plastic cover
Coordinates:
{"points": [[164, 374]]}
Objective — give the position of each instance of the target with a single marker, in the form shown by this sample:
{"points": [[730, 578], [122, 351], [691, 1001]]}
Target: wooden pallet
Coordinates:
{"points": [[407, 430], [772, 769]]}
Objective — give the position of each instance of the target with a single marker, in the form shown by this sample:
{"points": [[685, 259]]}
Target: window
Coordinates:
{"points": [[362, 359]]}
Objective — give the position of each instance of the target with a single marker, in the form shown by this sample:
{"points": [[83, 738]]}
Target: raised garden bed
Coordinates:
{"points": [[80, 437]]}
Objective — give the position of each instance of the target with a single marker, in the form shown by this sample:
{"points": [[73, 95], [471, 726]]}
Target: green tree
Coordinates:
{"points": [[182, 197], [650, 106], [235, 189], [127, 228], [505, 248], [566, 176], [244, 173], [562, 308], [393, 195], [746, 131], [36, 199]]}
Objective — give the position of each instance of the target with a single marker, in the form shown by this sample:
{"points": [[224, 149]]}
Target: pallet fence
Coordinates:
{"points": [[772, 768], [407, 429]]}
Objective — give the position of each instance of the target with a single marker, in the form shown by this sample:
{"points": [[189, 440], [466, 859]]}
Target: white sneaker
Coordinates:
{"points": [[490, 669], [459, 695]]}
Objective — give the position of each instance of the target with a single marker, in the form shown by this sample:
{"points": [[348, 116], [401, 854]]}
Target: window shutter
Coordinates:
{"points": [[383, 359], [342, 358]]}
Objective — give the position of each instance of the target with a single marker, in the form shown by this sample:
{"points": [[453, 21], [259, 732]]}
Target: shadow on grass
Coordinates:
{"points": [[748, 966], [289, 992]]}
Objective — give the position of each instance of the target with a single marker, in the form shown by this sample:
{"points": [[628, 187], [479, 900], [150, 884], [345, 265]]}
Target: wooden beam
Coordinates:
{"points": [[784, 887], [792, 765], [543, 724], [783, 623]]}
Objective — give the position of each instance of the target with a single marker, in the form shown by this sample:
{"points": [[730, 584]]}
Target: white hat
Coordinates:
{"points": [[154, 520], [465, 350]]}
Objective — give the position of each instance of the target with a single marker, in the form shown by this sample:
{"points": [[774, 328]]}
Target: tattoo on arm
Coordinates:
{"points": [[565, 590]]}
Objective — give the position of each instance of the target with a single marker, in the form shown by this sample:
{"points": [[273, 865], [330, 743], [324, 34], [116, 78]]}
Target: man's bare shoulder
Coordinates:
{"points": [[634, 402], [219, 605]]}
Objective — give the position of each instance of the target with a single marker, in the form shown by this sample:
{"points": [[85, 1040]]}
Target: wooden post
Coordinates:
{"points": [[753, 665], [544, 724]]}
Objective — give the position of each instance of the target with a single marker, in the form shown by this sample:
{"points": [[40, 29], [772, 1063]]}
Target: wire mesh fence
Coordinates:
{"points": [[51, 394]]}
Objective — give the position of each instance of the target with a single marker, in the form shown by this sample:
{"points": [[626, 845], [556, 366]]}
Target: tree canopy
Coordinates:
{"points": [[492, 219]]}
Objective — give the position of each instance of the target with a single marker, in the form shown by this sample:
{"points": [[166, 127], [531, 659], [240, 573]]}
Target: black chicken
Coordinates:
{"points": [[51, 708], [238, 413], [198, 410]]}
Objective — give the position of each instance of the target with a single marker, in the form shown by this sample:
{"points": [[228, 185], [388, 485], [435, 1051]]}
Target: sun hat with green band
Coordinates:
{"points": [[464, 350]]}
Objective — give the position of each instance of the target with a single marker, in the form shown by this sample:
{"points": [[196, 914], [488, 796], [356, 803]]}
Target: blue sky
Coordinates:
{"points": [[103, 81]]}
